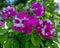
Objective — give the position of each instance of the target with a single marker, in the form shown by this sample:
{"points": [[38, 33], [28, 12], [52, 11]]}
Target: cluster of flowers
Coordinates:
{"points": [[24, 22], [45, 28], [6, 13], [38, 9], [9, 12]]}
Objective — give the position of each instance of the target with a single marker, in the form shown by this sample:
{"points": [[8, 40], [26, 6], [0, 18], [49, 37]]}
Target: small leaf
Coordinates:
{"points": [[54, 45]]}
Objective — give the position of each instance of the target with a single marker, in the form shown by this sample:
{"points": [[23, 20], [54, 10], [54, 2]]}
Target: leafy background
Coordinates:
{"points": [[12, 39]]}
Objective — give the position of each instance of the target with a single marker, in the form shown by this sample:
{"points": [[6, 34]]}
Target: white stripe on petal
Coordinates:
{"points": [[52, 31], [49, 21], [41, 22], [45, 27], [4, 9], [43, 31], [17, 19], [17, 25]]}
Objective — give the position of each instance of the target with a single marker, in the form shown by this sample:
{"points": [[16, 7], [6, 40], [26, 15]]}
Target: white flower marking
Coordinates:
{"points": [[49, 21], [41, 22], [4, 9], [52, 31], [43, 31], [27, 7], [18, 24], [45, 27]]}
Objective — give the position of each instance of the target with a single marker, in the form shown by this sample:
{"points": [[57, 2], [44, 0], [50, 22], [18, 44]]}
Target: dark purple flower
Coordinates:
{"points": [[32, 21], [38, 9], [9, 12], [45, 28], [22, 23], [27, 28]]}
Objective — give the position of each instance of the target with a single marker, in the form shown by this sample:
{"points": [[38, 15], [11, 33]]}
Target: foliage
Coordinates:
{"points": [[12, 39]]}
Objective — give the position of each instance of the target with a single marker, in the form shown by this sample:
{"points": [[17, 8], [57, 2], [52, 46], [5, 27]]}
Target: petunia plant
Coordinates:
{"points": [[32, 25]]}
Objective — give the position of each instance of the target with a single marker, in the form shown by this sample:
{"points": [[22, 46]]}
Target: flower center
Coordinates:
{"points": [[17, 21]]}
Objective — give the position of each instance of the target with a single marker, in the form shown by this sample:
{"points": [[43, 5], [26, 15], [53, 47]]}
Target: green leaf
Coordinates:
{"points": [[8, 44], [27, 45], [3, 38], [54, 45], [15, 44], [48, 42], [35, 41]]}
